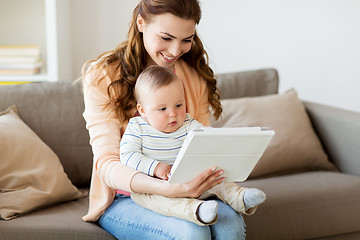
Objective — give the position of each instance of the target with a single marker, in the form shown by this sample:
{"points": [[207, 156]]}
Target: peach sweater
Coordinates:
{"points": [[109, 174]]}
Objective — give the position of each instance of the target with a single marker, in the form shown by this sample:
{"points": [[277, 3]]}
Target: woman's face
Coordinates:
{"points": [[166, 38]]}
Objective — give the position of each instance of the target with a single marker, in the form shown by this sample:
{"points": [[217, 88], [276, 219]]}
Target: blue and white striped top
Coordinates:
{"points": [[142, 147]]}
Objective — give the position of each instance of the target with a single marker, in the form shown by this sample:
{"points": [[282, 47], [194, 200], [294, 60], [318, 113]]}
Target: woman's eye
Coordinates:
{"points": [[165, 38], [187, 40]]}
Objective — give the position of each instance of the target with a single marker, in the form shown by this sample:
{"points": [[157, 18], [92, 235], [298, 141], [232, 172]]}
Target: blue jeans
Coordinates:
{"points": [[126, 220]]}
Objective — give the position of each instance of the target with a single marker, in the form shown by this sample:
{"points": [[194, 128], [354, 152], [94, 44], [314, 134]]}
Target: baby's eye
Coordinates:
{"points": [[162, 109], [178, 105]]}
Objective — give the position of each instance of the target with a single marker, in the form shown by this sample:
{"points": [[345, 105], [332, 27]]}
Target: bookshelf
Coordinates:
{"points": [[24, 22]]}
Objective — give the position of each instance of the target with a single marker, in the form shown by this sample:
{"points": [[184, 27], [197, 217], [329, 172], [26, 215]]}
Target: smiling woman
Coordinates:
{"points": [[162, 32], [166, 38]]}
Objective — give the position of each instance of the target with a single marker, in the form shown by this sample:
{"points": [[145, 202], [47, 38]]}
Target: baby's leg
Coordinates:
{"points": [[207, 211], [253, 197], [197, 211], [241, 199]]}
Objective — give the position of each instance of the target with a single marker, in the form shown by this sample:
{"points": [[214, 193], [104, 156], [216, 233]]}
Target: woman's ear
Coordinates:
{"points": [[140, 22]]}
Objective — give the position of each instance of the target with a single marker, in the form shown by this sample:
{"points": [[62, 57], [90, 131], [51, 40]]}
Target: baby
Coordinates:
{"points": [[152, 141]]}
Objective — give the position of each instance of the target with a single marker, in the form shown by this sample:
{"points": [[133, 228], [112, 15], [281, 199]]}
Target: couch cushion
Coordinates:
{"points": [[305, 205], [31, 175], [54, 112], [295, 146], [59, 222], [248, 83]]}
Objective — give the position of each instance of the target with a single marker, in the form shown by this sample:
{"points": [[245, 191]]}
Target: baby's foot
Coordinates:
{"points": [[207, 211], [253, 197]]}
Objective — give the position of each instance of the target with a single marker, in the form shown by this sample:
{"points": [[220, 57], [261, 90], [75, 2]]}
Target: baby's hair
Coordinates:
{"points": [[152, 78]]}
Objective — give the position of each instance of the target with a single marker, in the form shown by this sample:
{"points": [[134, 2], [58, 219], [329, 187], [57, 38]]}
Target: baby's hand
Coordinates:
{"points": [[162, 171]]}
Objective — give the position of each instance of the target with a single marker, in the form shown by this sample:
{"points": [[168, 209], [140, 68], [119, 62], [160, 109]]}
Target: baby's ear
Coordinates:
{"points": [[140, 109]]}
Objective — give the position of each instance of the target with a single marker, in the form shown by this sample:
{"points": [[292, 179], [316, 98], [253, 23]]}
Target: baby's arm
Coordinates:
{"points": [[162, 171], [131, 151]]}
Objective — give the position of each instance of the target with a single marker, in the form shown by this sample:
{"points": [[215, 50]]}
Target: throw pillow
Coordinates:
{"points": [[295, 146], [31, 175]]}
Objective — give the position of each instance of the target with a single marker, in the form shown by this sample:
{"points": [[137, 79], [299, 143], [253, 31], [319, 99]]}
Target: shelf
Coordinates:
{"points": [[24, 22]]}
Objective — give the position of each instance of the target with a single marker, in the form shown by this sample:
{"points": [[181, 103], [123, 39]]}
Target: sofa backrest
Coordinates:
{"points": [[248, 83], [54, 112]]}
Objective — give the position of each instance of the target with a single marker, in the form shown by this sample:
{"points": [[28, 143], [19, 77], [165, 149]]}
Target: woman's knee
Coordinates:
{"points": [[230, 224], [173, 229], [127, 220], [189, 230]]}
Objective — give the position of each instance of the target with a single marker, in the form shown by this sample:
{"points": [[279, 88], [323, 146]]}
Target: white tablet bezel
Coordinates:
{"points": [[234, 150]]}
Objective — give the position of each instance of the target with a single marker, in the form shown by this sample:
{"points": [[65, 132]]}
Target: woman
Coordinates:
{"points": [[162, 32]]}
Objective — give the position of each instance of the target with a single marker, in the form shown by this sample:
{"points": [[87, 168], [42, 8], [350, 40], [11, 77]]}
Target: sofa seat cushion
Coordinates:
{"points": [[306, 205], [59, 222]]}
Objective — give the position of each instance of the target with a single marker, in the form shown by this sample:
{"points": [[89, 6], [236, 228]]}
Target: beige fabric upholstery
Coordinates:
{"points": [[54, 112], [333, 125], [295, 146], [60, 222], [305, 205], [31, 175], [248, 83]]}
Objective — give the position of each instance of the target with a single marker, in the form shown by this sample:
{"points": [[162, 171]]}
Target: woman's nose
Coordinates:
{"points": [[175, 49]]}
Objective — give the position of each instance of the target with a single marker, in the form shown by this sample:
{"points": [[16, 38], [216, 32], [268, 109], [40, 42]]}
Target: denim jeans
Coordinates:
{"points": [[126, 220]]}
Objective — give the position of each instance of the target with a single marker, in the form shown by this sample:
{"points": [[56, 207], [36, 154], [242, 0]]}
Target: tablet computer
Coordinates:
{"points": [[234, 150]]}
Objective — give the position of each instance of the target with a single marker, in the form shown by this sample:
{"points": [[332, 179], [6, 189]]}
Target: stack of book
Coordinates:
{"points": [[19, 59]]}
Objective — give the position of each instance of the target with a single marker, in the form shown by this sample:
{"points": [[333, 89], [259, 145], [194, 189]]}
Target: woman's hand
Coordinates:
{"points": [[193, 189], [206, 180]]}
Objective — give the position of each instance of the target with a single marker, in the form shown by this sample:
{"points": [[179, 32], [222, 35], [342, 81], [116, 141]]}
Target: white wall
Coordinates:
{"points": [[98, 26], [314, 44]]}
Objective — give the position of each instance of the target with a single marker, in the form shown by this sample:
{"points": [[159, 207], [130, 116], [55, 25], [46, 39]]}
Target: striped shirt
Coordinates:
{"points": [[142, 147]]}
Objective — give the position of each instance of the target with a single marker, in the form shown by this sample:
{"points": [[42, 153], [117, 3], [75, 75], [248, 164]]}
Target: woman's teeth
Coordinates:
{"points": [[167, 57]]}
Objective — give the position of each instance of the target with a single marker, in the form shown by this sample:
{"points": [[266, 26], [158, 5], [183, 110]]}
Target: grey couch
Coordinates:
{"points": [[307, 205]]}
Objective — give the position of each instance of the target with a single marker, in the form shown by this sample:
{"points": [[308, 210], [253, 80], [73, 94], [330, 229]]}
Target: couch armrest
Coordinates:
{"points": [[339, 132]]}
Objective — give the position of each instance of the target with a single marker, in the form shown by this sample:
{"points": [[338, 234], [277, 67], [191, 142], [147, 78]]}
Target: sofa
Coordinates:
{"points": [[306, 199]]}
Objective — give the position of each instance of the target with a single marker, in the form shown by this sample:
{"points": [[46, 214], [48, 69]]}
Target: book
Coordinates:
{"points": [[14, 66], [12, 83], [19, 71], [234, 150], [19, 50], [20, 59]]}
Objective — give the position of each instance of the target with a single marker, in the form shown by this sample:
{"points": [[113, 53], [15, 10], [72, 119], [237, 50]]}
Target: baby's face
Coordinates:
{"points": [[164, 108]]}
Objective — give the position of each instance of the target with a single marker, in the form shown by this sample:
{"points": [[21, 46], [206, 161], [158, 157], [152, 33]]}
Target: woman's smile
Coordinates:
{"points": [[167, 58]]}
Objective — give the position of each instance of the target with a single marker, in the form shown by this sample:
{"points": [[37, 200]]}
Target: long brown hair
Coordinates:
{"points": [[129, 59]]}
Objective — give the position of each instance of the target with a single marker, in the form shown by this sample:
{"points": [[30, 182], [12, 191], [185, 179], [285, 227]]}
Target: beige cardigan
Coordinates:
{"points": [[109, 174]]}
